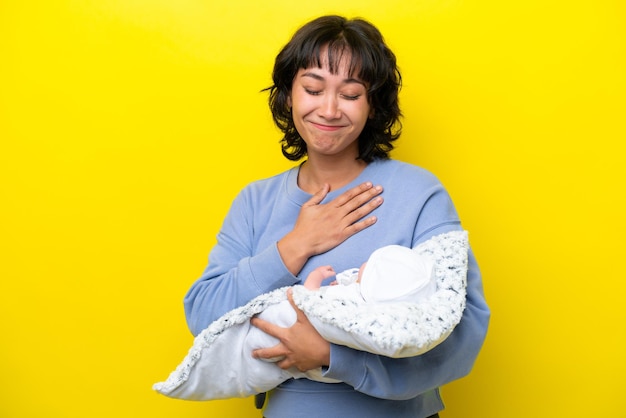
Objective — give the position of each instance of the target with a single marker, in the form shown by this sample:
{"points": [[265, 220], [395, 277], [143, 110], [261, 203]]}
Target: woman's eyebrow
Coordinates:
{"points": [[312, 75], [320, 78]]}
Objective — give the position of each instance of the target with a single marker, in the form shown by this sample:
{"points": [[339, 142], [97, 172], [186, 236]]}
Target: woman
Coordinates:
{"points": [[335, 97]]}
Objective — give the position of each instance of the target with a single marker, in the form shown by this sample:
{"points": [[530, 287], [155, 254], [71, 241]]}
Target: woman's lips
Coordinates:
{"points": [[329, 128]]}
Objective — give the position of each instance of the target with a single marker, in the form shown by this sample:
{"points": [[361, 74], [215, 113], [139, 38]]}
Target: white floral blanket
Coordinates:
{"points": [[219, 364]]}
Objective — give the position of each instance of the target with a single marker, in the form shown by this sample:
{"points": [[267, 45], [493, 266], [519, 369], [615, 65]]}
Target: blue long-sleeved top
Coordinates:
{"points": [[245, 263]]}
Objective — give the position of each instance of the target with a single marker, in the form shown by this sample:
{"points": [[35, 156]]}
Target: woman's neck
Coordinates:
{"points": [[314, 174]]}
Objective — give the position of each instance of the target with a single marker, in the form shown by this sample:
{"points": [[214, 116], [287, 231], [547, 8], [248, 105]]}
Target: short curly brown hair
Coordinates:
{"points": [[369, 56]]}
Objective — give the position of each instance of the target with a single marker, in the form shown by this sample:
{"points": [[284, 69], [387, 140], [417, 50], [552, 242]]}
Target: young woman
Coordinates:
{"points": [[335, 97]]}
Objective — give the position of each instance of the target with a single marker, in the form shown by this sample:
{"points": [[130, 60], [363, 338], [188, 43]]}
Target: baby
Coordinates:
{"points": [[392, 274], [393, 279]]}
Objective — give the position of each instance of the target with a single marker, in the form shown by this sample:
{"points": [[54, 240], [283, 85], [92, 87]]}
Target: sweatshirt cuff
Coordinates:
{"points": [[268, 270], [344, 365]]}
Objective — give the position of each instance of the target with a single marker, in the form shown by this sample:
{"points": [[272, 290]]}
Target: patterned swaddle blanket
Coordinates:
{"points": [[214, 369]]}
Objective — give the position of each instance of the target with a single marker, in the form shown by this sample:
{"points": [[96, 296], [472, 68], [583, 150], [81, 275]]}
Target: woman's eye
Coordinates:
{"points": [[351, 97], [312, 92]]}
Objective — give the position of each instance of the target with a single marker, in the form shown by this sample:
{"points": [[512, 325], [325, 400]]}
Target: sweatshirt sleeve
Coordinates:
{"points": [[407, 378], [235, 273]]}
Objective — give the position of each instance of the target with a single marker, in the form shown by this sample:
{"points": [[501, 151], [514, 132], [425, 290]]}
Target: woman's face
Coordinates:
{"points": [[329, 110]]}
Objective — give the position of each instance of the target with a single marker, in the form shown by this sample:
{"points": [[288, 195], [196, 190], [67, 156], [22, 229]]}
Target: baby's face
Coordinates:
{"points": [[361, 269]]}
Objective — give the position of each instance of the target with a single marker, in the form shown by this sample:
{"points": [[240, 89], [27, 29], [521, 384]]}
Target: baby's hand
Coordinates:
{"points": [[317, 276]]}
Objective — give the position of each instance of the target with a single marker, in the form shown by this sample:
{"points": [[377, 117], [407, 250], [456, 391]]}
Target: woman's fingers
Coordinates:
{"points": [[301, 346], [363, 210], [357, 196], [317, 198], [273, 330]]}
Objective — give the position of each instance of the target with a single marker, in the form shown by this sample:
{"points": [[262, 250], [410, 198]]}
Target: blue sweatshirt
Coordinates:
{"points": [[245, 263]]}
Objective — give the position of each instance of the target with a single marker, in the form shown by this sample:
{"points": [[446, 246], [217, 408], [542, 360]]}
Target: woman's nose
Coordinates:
{"points": [[329, 108]]}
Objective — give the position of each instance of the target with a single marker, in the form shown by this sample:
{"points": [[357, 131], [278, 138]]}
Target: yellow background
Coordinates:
{"points": [[127, 127]]}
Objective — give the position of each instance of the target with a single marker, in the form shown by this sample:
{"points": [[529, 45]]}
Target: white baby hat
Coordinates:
{"points": [[397, 273]]}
